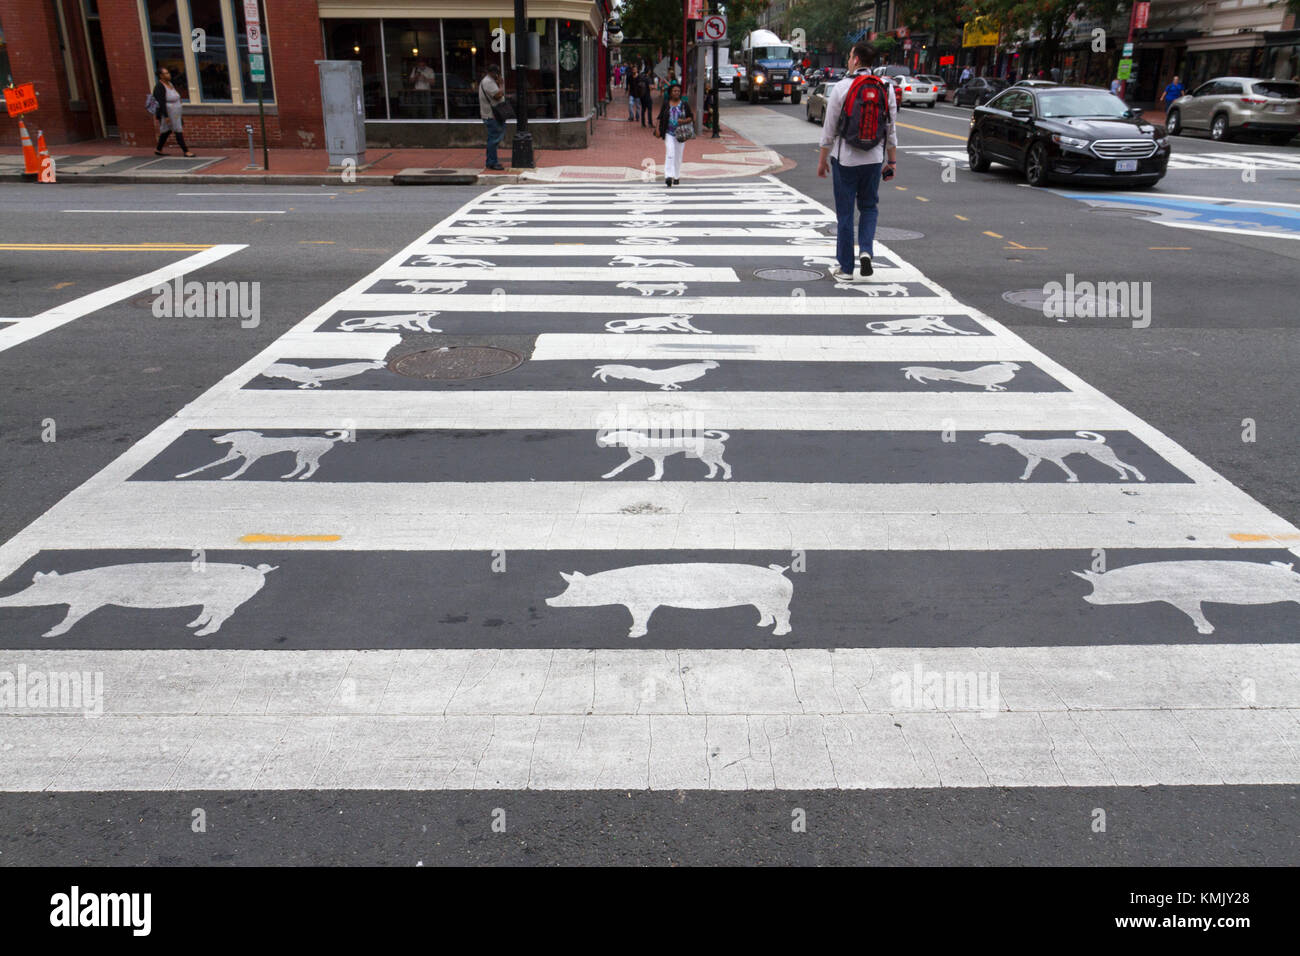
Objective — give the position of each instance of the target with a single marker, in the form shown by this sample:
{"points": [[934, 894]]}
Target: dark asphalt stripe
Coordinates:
{"points": [[1242, 826], [453, 599], [451, 234], [579, 259], [536, 321], [852, 457], [552, 282], [728, 376]]}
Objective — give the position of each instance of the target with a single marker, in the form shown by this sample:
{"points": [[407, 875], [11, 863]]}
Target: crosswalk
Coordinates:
{"points": [[1243, 160], [708, 519]]}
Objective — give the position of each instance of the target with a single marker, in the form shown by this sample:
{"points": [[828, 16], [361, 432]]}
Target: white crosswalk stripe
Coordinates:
{"points": [[400, 705], [1178, 160]]}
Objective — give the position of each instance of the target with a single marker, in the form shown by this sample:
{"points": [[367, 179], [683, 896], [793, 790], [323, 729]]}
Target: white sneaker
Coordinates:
{"points": [[839, 275]]}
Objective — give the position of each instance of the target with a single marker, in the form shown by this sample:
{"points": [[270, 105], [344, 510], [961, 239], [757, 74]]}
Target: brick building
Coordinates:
{"points": [[93, 64]]}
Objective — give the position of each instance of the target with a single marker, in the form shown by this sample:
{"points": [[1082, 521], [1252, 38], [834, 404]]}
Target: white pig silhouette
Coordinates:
{"points": [[1186, 584], [643, 588], [219, 588]]}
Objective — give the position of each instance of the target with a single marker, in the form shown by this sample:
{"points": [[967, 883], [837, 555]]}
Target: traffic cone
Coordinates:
{"points": [[43, 157], [31, 164]]}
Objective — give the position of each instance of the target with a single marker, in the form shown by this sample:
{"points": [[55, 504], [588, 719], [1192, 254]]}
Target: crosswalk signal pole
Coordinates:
{"points": [[717, 85], [521, 149]]}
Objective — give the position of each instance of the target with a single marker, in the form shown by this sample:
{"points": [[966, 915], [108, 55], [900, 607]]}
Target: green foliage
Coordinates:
{"points": [[657, 21], [826, 22]]}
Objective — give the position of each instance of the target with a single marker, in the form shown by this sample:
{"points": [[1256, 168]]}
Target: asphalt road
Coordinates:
{"points": [[1220, 349]]}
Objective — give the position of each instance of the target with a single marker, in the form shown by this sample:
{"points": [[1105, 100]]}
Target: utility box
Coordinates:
{"points": [[344, 109]]}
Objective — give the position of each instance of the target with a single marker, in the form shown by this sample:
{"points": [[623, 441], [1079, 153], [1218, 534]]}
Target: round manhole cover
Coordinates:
{"points": [[886, 233], [1036, 299], [440, 172], [456, 362], [788, 275]]}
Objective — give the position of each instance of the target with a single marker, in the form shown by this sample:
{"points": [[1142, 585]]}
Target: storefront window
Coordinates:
{"points": [[569, 58], [209, 48], [468, 49], [418, 85], [165, 39], [241, 47], [4, 59], [359, 40]]}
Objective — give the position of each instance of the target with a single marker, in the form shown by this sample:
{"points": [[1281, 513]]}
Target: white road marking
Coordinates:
{"points": [[185, 212], [39, 324], [245, 193]]}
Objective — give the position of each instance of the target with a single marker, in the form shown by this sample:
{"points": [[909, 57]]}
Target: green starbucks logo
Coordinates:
{"points": [[568, 55]]}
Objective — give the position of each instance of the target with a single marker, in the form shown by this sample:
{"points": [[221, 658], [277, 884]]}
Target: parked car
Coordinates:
{"points": [[726, 74], [815, 111], [892, 69], [833, 74], [978, 90], [915, 90], [1032, 83], [1076, 133], [940, 87], [1232, 105]]}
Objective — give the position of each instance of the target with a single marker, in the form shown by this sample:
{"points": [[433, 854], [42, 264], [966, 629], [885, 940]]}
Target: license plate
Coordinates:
{"points": [[1126, 165], [787, 89]]}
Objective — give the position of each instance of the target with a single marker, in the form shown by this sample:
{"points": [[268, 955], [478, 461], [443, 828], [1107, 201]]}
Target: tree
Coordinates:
{"points": [[1050, 19], [658, 22], [941, 20], [826, 22]]}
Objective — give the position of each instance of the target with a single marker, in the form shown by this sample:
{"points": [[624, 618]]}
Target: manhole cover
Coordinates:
{"points": [[788, 275], [456, 362], [885, 233], [1036, 299]]}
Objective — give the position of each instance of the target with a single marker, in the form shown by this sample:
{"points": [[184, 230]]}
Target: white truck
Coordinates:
{"points": [[770, 72]]}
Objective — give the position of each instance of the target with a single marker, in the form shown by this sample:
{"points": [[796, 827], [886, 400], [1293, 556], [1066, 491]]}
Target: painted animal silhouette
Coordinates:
{"points": [[651, 288], [473, 240], [990, 377], [646, 240], [677, 322], [707, 445], [490, 224], [451, 262], [1186, 584], [668, 379], [219, 588], [921, 325], [644, 588], [432, 285], [642, 263], [811, 261], [254, 446], [888, 288], [410, 321], [1056, 450], [646, 224], [313, 377]]}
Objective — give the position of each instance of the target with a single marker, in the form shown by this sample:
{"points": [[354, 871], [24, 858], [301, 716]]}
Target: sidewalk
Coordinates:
{"points": [[620, 151]]}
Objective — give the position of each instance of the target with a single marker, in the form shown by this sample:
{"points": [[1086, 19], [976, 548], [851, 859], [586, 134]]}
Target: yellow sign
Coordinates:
{"points": [[979, 32]]}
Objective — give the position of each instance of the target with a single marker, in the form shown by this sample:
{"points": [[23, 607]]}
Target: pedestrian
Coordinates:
{"points": [[856, 172], [1114, 86], [489, 95], [168, 112], [645, 93], [676, 125], [633, 98], [1174, 90], [965, 74]]}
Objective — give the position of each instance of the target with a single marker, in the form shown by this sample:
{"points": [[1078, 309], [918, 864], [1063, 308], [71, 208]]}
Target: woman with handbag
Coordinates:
{"points": [[676, 125], [167, 109]]}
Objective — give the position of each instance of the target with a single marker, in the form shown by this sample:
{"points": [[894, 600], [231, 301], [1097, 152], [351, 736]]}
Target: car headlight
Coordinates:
{"points": [[1072, 141], [758, 77], [1162, 141]]}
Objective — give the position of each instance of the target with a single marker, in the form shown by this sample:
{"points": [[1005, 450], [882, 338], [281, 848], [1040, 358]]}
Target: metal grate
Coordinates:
{"points": [[1124, 148]]}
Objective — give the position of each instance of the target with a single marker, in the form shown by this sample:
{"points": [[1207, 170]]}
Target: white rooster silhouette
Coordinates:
{"points": [[668, 379], [989, 376]]}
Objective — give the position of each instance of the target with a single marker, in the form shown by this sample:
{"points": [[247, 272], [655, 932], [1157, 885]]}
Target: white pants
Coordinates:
{"points": [[672, 157]]}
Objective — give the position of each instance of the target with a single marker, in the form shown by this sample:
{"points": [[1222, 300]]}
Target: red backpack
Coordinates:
{"points": [[864, 119]]}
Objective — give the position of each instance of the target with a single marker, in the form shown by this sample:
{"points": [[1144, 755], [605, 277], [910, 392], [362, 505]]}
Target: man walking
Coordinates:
{"points": [[633, 100], [856, 172], [1172, 92], [489, 94]]}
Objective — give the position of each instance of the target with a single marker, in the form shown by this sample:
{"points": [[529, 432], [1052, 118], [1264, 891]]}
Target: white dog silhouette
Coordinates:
{"points": [[450, 262], [432, 285], [705, 445], [650, 288], [1056, 450], [252, 446]]}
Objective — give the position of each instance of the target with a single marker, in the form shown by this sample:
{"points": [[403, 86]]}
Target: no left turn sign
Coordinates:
{"points": [[715, 28]]}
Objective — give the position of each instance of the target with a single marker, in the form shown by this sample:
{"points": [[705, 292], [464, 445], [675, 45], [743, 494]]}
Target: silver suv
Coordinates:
{"points": [[1230, 105]]}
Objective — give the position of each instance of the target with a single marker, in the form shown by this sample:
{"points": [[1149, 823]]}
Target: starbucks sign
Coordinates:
{"points": [[568, 55]]}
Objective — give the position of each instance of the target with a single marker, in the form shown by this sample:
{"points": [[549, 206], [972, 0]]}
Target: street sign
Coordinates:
{"points": [[20, 99], [714, 28], [907, 44], [256, 68], [694, 9], [252, 26], [1125, 70], [1128, 49], [1141, 13]]}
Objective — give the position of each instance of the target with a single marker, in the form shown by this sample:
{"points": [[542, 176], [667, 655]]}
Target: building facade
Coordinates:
{"points": [[93, 63]]}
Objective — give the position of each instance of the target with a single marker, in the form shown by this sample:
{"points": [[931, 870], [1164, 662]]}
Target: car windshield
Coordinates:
{"points": [[1279, 89], [1053, 103], [772, 53]]}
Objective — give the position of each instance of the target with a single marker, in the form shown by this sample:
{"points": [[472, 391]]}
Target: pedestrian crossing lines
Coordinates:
{"points": [[1177, 160], [718, 540]]}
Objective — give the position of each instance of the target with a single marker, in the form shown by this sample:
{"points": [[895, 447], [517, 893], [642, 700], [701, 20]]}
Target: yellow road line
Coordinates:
{"points": [[993, 234], [286, 538], [932, 132], [962, 218], [315, 242], [1170, 248], [100, 247], [1243, 536], [62, 285], [1012, 244], [921, 199]]}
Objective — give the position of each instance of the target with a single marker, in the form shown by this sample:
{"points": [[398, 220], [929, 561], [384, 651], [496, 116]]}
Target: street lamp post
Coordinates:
{"points": [[521, 150]]}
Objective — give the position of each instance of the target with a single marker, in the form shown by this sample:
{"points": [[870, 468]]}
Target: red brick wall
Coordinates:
{"points": [[32, 38], [296, 45], [128, 69]]}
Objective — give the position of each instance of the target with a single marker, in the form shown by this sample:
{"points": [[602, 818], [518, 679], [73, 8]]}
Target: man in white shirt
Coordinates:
{"points": [[855, 172], [490, 94], [422, 76]]}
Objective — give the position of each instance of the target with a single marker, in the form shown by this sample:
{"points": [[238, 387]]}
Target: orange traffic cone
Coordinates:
{"points": [[31, 164], [43, 157]]}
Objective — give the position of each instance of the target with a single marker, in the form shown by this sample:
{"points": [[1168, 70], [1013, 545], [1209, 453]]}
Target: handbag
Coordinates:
{"points": [[684, 131], [503, 111]]}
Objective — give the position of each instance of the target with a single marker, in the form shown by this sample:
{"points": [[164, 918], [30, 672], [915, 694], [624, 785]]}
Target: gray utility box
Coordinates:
{"points": [[344, 109]]}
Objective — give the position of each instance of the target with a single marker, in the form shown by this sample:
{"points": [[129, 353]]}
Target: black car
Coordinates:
{"points": [[978, 90], [1074, 133]]}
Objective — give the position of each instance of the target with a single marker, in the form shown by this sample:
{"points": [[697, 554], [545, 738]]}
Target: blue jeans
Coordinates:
{"points": [[633, 109], [855, 186], [495, 131]]}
